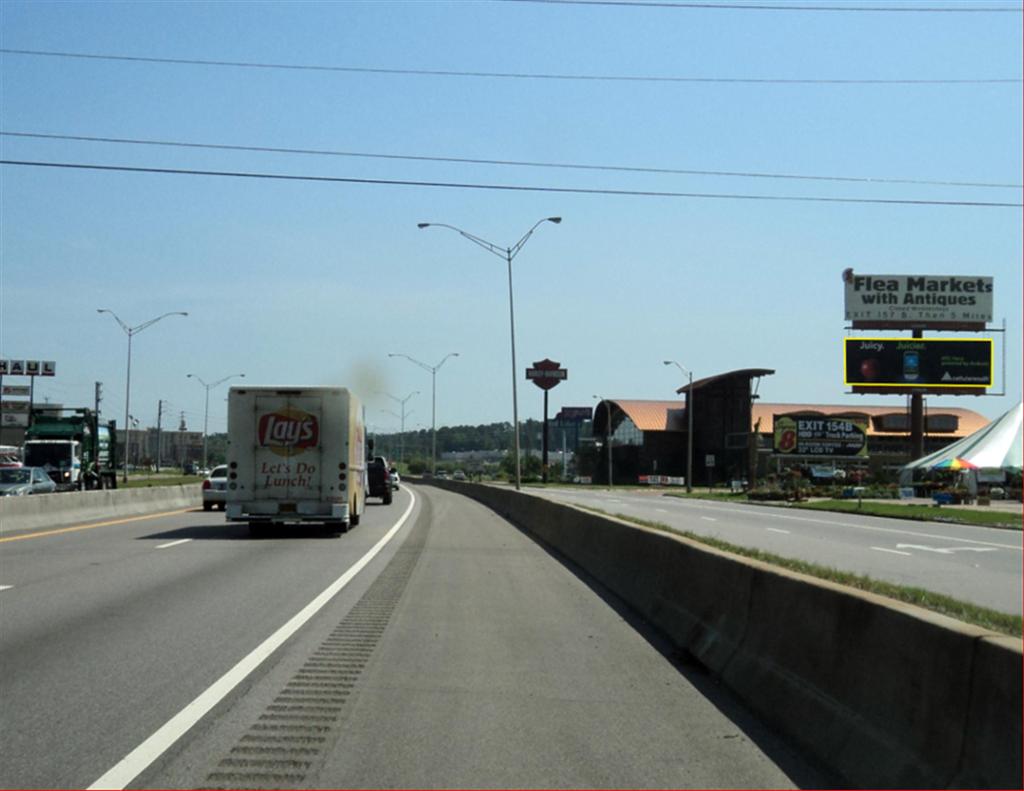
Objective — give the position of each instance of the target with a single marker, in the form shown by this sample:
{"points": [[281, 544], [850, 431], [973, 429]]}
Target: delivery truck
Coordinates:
{"points": [[295, 455]]}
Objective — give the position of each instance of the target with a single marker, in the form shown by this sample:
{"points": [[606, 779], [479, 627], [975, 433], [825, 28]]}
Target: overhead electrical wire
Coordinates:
{"points": [[511, 75], [731, 6], [506, 187], [513, 163]]}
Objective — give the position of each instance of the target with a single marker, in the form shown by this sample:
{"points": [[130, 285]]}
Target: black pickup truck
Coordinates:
{"points": [[379, 479]]}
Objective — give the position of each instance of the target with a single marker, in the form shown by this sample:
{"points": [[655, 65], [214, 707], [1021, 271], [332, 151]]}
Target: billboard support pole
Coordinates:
{"points": [[916, 420]]}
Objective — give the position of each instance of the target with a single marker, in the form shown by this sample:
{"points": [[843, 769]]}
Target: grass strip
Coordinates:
{"points": [[921, 513], [158, 480], [993, 620]]}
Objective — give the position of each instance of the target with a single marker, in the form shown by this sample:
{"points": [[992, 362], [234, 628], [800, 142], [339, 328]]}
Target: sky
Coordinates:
{"points": [[312, 282]]}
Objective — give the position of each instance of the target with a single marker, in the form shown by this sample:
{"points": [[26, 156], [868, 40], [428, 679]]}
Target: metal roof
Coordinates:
{"points": [[654, 415], [744, 373]]}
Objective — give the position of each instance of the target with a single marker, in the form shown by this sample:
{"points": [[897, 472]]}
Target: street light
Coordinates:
{"points": [[689, 424], [607, 435], [130, 331], [433, 400], [508, 253], [401, 437], [206, 411]]}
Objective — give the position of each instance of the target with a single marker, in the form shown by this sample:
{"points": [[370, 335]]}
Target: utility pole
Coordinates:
{"points": [[159, 437], [99, 397]]}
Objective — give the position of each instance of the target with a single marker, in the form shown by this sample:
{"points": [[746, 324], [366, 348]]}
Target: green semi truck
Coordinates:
{"points": [[73, 446]]}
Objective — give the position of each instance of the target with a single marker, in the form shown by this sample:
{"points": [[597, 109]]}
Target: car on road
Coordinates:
{"points": [[378, 475], [395, 479], [458, 475], [215, 488], [18, 481]]}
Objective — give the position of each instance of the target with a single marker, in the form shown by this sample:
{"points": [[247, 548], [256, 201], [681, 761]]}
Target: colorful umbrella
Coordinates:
{"points": [[955, 463]]}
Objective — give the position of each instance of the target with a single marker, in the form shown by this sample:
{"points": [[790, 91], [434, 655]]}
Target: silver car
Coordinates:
{"points": [[215, 488], [17, 481]]}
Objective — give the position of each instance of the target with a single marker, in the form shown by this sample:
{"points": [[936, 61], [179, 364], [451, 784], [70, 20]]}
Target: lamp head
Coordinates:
{"points": [[555, 220], [423, 225]]}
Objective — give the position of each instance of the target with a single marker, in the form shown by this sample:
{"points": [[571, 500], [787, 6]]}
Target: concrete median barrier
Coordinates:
{"points": [[885, 694], [39, 511]]}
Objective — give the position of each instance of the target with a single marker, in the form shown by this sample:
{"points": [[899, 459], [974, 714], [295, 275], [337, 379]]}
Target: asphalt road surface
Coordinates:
{"points": [[177, 652], [980, 565]]}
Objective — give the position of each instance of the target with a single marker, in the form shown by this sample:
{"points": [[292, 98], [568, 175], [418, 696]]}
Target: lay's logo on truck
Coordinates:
{"points": [[288, 430]]}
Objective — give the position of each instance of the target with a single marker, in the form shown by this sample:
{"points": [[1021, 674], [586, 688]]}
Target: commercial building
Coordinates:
{"points": [[733, 431]]}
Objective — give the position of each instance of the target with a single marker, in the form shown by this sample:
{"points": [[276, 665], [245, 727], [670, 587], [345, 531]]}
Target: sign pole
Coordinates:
{"points": [[544, 452], [916, 419]]}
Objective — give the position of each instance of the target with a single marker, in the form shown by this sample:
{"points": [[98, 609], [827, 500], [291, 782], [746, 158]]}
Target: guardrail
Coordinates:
{"points": [[37, 511], [885, 694]]}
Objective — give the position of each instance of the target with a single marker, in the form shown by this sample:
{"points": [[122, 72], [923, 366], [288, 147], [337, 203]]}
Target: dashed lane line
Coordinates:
{"points": [[893, 551], [174, 543]]}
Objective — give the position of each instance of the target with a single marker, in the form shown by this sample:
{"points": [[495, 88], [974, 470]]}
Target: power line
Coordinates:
{"points": [[508, 162], [511, 75], [506, 187], [684, 4]]}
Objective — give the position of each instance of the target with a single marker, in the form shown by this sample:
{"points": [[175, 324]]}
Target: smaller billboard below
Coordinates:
{"points": [[819, 436], [914, 364]]}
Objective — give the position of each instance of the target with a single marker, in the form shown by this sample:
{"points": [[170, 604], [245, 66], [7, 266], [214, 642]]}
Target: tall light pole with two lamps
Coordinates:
{"points": [[433, 369], [507, 253], [401, 437], [130, 331], [689, 423], [206, 411]]}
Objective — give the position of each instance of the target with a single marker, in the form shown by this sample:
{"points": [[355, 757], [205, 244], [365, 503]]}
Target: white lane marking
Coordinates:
{"points": [[893, 551], [661, 510], [767, 511], [174, 543], [139, 759], [5, 587], [776, 530], [945, 550], [708, 519]]}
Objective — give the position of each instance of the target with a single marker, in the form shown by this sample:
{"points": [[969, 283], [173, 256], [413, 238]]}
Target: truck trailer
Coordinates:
{"points": [[295, 455], [76, 449]]}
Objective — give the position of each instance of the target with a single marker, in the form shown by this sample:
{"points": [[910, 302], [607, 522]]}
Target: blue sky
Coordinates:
{"points": [[298, 282]]}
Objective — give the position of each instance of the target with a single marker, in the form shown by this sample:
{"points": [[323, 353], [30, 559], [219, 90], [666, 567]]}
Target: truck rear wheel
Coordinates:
{"points": [[387, 497]]}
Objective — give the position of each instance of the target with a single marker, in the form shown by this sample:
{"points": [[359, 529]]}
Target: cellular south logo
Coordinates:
{"points": [[288, 431]]}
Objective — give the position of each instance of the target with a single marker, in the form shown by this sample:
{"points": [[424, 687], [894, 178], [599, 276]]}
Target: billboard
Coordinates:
{"points": [[820, 436], [27, 367], [917, 301], [916, 364]]}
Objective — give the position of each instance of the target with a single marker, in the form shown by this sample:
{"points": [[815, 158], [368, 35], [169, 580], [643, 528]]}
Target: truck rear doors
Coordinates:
{"points": [[287, 457]]}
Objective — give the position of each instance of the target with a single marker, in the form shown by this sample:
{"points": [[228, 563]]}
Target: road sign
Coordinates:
{"points": [[546, 374], [709, 460]]}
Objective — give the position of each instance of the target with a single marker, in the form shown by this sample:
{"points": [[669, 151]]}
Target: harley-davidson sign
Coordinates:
{"points": [[546, 374]]}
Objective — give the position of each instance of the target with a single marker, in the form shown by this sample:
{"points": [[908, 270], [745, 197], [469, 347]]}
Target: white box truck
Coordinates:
{"points": [[295, 454]]}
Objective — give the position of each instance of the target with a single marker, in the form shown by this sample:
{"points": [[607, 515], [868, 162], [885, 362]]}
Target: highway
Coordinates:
{"points": [[175, 651], [975, 564]]}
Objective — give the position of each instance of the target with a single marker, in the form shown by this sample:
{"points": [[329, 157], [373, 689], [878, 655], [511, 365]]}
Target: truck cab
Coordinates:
{"points": [[62, 460]]}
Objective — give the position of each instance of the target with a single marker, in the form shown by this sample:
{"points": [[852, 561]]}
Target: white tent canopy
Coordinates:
{"points": [[997, 446]]}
